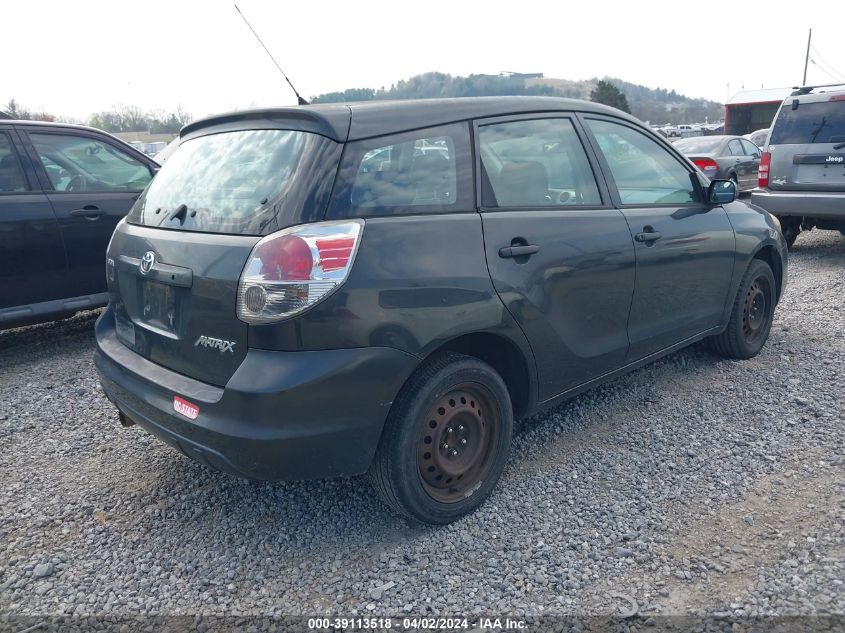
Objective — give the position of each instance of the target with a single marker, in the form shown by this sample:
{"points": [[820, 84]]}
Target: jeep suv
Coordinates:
{"points": [[802, 171], [385, 287]]}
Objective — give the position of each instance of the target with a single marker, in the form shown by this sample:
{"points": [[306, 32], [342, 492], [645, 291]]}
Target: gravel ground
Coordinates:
{"points": [[692, 487]]}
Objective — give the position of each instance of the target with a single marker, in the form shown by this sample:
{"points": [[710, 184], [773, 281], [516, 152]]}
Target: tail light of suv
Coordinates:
{"points": [[763, 171], [289, 271]]}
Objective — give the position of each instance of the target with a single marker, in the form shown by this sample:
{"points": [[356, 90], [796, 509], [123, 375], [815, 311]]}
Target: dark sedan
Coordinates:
{"points": [[724, 158]]}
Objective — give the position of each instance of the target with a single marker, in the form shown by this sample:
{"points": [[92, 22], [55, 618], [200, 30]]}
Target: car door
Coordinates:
{"points": [[92, 183], [33, 267], [753, 153], [741, 162], [684, 247], [560, 256]]}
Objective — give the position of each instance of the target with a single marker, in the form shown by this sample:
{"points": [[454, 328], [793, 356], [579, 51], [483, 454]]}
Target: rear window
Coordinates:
{"points": [[697, 144], [816, 122], [243, 182]]}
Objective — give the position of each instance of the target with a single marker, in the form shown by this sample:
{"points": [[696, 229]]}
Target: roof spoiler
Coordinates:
{"points": [[805, 90]]}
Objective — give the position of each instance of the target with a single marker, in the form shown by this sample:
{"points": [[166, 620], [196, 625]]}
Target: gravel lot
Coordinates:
{"points": [[692, 486]]}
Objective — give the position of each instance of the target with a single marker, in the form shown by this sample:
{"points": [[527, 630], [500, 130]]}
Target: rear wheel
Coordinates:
{"points": [[790, 227], [751, 316], [445, 441]]}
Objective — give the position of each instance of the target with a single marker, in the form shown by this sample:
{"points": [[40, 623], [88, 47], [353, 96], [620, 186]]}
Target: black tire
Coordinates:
{"points": [[440, 392], [791, 229], [751, 315]]}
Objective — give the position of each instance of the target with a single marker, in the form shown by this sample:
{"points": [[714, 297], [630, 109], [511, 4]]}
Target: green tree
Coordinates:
{"points": [[608, 94], [13, 109]]}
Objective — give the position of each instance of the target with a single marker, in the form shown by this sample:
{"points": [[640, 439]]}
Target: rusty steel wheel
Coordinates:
{"points": [[756, 314], [456, 440], [751, 316], [445, 441]]}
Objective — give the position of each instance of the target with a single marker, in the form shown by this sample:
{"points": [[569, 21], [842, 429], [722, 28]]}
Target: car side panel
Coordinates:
{"points": [[417, 283], [755, 229]]}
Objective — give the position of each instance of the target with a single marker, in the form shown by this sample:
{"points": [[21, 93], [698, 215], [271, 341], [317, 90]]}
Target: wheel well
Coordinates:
{"points": [[503, 356], [769, 255]]}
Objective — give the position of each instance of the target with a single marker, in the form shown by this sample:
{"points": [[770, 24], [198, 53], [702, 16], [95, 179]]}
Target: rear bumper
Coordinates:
{"points": [[282, 415], [827, 205]]}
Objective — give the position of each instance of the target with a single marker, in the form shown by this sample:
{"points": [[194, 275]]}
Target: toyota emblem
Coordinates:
{"points": [[147, 262]]}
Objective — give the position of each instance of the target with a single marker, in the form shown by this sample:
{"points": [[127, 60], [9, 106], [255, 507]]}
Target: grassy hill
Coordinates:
{"points": [[655, 105]]}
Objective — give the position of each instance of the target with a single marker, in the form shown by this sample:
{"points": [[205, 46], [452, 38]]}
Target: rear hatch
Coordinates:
{"points": [[175, 262], [807, 145]]}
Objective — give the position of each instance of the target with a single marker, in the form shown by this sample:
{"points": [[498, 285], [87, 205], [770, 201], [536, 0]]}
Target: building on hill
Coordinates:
{"points": [[750, 110]]}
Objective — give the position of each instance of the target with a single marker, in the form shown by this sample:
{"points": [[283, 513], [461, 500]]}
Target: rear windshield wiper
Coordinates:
{"points": [[839, 146], [178, 213]]}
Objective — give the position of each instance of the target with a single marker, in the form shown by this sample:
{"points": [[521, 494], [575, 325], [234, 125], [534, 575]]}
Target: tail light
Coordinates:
{"points": [[707, 165], [763, 171], [289, 271]]}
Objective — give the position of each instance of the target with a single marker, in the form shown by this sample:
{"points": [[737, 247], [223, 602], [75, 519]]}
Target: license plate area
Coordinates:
{"points": [[159, 306], [125, 330]]}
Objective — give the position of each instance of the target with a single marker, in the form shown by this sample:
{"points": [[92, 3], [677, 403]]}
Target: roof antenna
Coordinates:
{"points": [[299, 99]]}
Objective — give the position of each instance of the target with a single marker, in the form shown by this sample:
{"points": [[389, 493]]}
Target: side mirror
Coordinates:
{"points": [[721, 192]]}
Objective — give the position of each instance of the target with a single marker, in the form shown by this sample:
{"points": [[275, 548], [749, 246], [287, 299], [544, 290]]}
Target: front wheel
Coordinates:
{"points": [[446, 440], [751, 316]]}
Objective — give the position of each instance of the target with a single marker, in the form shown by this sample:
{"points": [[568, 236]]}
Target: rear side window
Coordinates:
{"points": [[535, 163], [735, 148], [11, 174], [644, 171], [426, 171], [79, 164], [241, 182], [816, 122]]}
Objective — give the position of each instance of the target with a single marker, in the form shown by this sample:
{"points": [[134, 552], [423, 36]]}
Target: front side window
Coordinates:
{"points": [[427, 171], [11, 175], [750, 148], [644, 172], [535, 163], [82, 164]]}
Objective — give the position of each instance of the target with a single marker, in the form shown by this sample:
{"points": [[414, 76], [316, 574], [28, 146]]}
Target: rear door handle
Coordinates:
{"points": [[518, 251], [648, 236], [89, 212]]}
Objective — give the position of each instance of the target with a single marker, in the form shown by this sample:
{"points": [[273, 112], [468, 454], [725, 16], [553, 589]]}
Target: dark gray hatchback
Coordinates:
{"points": [[384, 287]]}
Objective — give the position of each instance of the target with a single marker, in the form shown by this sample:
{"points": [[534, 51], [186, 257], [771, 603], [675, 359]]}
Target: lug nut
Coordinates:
{"points": [[454, 452], [460, 427], [448, 429], [445, 447], [463, 440]]}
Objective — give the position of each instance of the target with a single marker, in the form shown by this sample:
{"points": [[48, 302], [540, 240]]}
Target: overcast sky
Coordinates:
{"points": [[75, 57]]}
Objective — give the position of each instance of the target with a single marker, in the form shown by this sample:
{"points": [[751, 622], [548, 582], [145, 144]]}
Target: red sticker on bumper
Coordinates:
{"points": [[190, 411]]}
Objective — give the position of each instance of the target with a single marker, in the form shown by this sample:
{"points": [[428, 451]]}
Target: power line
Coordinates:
{"points": [[821, 68], [822, 59]]}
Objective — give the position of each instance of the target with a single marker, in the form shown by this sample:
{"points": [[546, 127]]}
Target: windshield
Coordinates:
{"points": [[230, 182], [817, 122], [700, 144]]}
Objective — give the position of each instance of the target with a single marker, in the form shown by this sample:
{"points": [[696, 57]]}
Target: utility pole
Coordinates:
{"points": [[807, 57]]}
